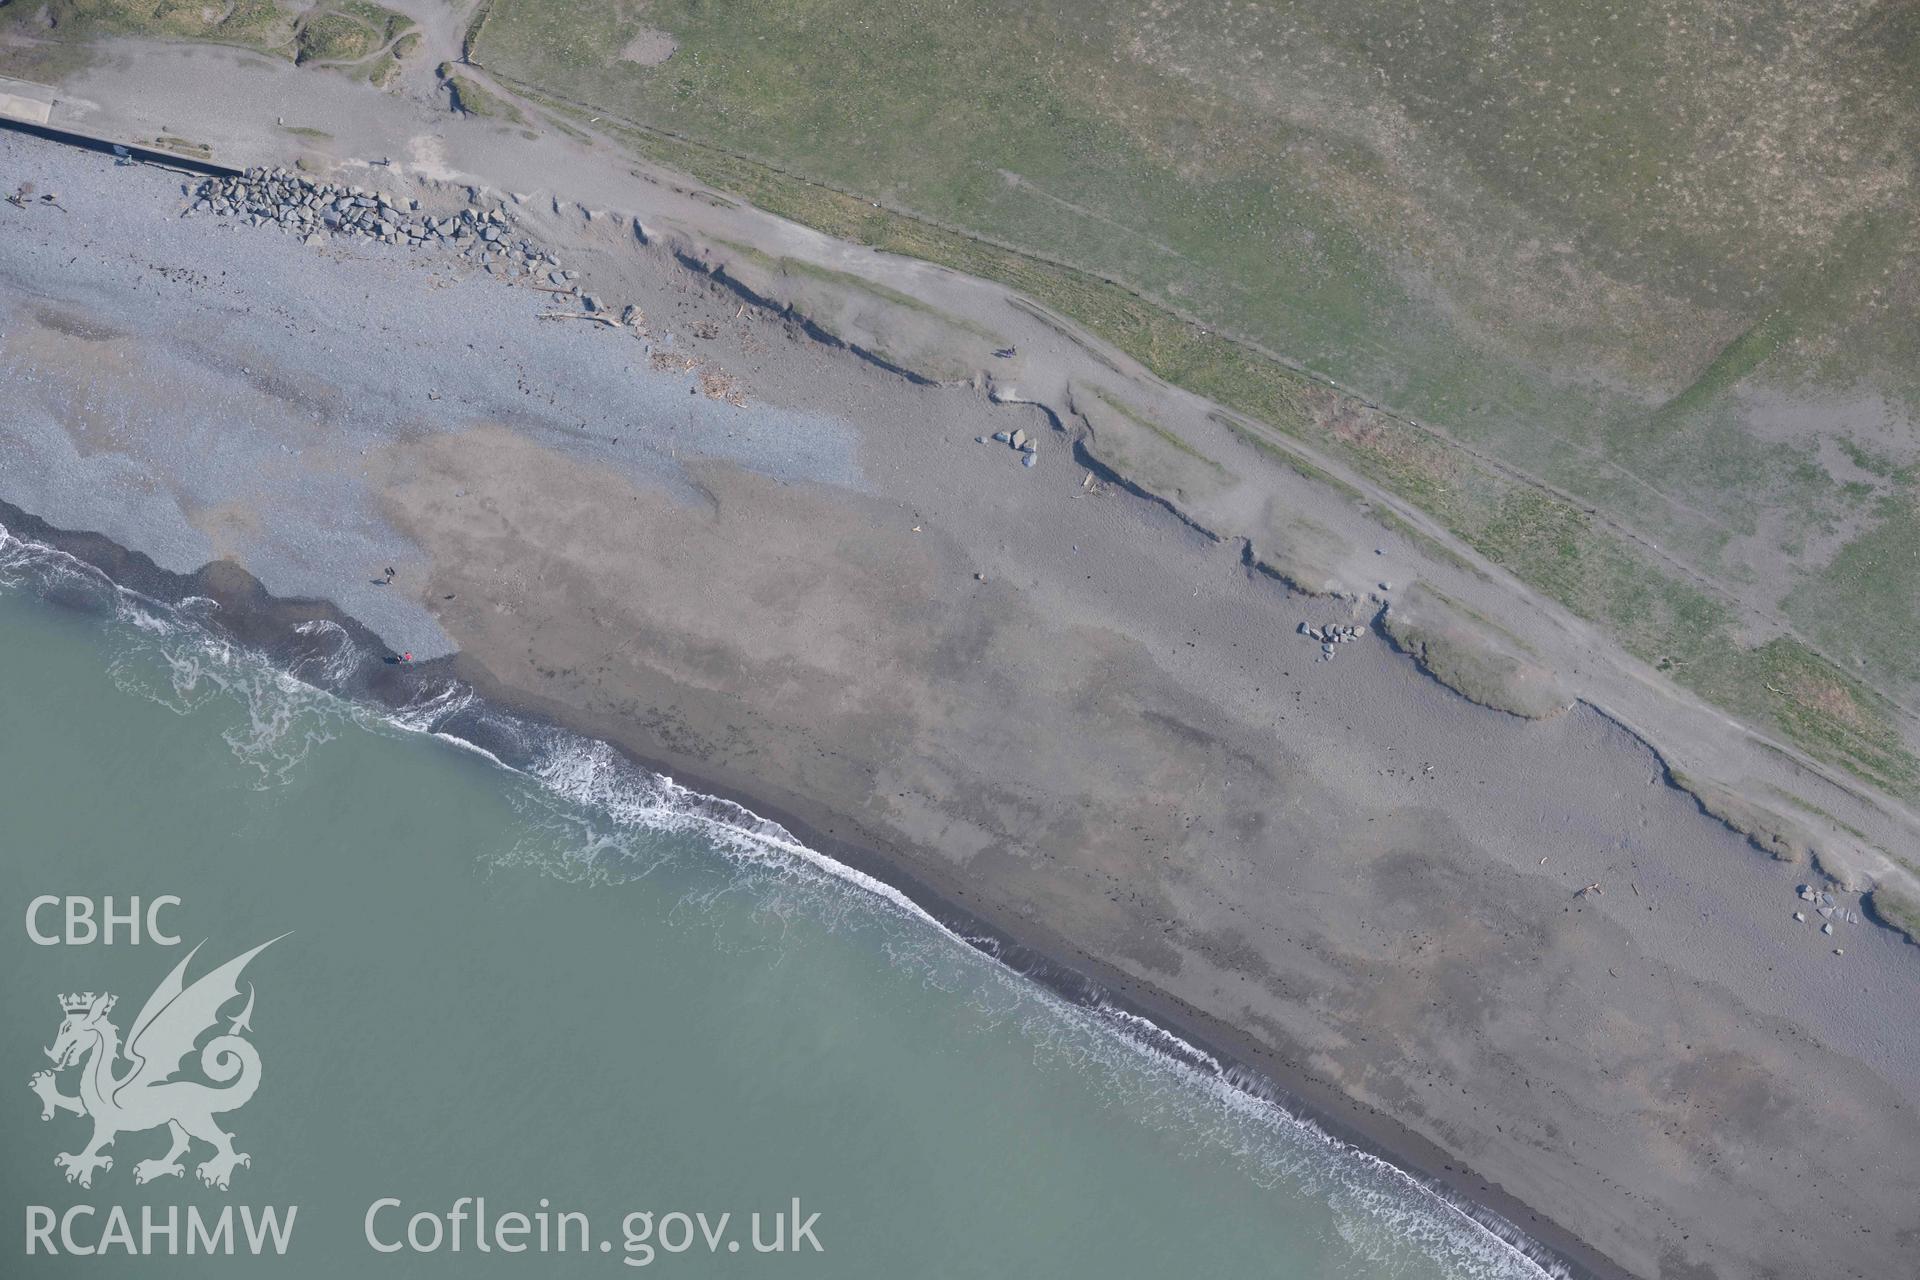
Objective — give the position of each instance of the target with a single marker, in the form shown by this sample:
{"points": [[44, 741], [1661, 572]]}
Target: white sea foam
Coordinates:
{"points": [[170, 655], [51, 572], [175, 660], [335, 659], [609, 816], [1386, 1214]]}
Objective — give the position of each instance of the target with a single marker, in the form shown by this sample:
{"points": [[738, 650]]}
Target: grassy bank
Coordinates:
{"points": [[1528, 242], [1600, 266], [53, 39], [1554, 546]]}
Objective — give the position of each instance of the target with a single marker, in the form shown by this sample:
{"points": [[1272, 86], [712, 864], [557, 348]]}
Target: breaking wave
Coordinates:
{"points": [[168, 653], [594, 816]]}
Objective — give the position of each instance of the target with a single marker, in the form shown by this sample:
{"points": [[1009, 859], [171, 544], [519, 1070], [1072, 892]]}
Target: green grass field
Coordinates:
{"points": [[49, 40], [1617, 249], [1646, 273], [254, 24]]}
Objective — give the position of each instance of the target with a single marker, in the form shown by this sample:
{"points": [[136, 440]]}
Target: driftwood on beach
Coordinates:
{"points": [[581, 315]]}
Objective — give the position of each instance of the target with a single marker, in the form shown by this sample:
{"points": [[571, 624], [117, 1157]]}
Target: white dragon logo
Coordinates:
{"points": [[146, 1096]]}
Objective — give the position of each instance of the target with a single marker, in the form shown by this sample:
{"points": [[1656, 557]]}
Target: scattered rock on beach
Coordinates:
{"points": [[1330, 636], [314, 210]]}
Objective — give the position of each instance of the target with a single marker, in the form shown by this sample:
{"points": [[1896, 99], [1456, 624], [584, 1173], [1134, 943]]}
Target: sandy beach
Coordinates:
{"points": [[1507, 952]]}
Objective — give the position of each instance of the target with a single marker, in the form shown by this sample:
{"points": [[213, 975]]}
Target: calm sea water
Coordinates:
{"points": [[564, 991]]}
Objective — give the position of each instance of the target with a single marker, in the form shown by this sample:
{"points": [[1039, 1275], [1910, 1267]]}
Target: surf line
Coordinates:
{"points": [[1231, 1086], [437, 704]]}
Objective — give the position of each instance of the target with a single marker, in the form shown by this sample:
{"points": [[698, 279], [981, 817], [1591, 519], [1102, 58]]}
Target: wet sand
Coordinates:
{"points": [[1058, 709]]}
